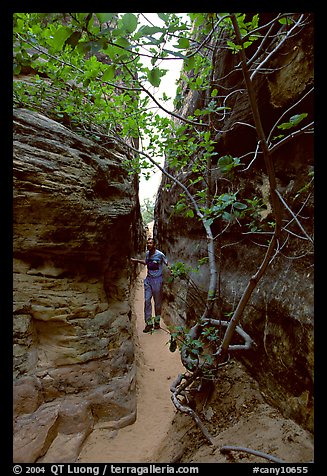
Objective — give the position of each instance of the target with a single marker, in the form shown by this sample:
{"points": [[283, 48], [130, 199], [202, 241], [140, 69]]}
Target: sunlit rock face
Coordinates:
{"points": [[279, 316], [76, 223]]}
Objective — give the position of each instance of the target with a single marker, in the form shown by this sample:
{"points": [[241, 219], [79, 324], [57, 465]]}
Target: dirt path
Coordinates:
{"points": [[157, 367]]}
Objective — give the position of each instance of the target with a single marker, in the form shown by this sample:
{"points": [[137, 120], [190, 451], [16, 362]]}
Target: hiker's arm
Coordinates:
{"points": [[141, 261]]}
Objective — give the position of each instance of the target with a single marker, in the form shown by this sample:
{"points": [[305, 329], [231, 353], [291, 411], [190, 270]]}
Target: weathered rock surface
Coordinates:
{"points": [[76, 222], [279, 316]]}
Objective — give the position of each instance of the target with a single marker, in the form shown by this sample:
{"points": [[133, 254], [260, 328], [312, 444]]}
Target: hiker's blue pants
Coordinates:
{"points": [[152, 289]]}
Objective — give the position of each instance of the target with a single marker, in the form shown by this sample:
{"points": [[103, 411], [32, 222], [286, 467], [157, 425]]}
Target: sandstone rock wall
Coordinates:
{"points": [[280, 314], [76, 223]]}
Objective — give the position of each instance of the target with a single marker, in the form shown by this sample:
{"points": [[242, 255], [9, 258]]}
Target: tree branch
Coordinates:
{"points": [[294, 217], [275, 202]]}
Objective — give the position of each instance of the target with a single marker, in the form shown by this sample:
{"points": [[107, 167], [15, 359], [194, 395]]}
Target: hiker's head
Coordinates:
{"points": [[151, 243]]}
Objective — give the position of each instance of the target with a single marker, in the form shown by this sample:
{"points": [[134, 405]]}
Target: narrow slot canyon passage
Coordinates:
{"points": [[157, 368]]}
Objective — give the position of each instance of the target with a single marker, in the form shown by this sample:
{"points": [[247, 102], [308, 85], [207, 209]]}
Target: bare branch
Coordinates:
{"points": [[278, 46], [287, 112], [260, 47], [303, 130], [256, 153], [248, 342], [294, 217]]}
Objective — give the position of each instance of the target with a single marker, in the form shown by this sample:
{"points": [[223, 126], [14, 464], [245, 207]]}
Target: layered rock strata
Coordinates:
{"points": [[76, 223]]}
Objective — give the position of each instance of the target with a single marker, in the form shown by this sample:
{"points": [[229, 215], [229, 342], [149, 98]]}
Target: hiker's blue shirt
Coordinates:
{"points": [[154, 263]]}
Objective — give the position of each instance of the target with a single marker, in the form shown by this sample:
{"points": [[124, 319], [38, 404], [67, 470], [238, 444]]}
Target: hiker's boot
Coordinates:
{"points": [[148, 328]]}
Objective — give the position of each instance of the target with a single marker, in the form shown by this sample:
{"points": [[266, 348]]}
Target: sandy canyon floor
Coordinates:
{"points": [[237, 416]]}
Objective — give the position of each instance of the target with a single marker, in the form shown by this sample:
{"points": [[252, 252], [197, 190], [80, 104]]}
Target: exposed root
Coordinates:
{"points": [[226, 449], [186, 409], [202, 369]]}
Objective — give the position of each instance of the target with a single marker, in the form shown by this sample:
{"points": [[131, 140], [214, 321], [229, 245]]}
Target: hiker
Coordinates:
{"points": [[154, 260]]}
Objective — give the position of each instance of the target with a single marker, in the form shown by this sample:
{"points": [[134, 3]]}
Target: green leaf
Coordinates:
{"points": [[60, 37], [189, 63], [163, 16], [294, 121], [183, 43], [109, 73], [285, 21], [105, 17], [179, 207], [189, 214], [154, 77], [145, 30], [227, 216], [227, 197], [129, 21], [235, 48], [225, 161], [178, 54], [246, 44], [123, 42], [239, 205], [16, 68]]}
